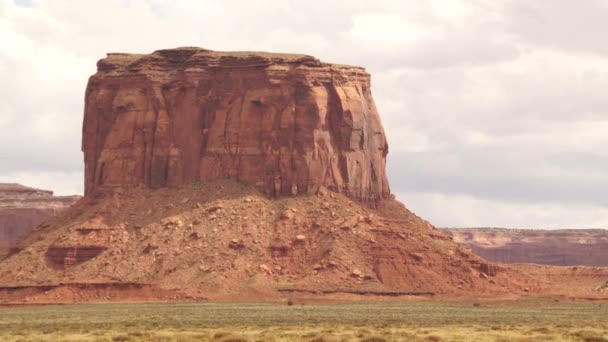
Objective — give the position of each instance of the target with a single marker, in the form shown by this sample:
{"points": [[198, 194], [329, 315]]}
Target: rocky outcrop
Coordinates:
{"points": [[568, 247], [223, 240], [187, 154], [288, 124], [23, 208]]}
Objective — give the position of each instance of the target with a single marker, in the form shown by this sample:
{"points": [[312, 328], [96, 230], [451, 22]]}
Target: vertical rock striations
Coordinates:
{"points": [[287, 124]]}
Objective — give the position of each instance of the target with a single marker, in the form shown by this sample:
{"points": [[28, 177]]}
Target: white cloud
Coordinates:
{"points": [[386, 30], [495, 110], [61, 183], [452, 10], [463, 211]]}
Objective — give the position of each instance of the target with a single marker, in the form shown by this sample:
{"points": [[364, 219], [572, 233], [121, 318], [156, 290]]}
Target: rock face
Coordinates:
{"points": [[287, 124], [23, 208], [187, 152], [223, 240], [585, 247]]}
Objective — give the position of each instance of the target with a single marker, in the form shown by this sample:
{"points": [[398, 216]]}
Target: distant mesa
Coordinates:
{"points": [[22, 208], [243, 176], [562, 247]]}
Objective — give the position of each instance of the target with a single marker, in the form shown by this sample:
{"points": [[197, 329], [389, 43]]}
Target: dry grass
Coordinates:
{"points": [[370, 322]]}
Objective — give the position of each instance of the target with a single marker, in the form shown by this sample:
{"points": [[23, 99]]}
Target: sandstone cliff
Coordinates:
{"points": [[23, 208], [568, 247], [287, 124], [187, 154]]}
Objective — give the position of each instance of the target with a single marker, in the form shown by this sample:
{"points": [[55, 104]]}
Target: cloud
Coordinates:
{"points": [[464, 211], [494, 109], [560, 24]]}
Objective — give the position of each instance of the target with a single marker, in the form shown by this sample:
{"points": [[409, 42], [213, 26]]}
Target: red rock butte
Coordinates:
{"points": [[286, 123], [279, 125]]}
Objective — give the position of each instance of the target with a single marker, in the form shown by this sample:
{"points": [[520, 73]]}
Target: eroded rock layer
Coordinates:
{"points": [[220, 240], [287, 124], [182, 150], [23, 208]]}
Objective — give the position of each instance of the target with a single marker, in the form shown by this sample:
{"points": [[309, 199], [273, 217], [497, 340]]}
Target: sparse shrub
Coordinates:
{"points": [[434, 338], [595, 339], [373, 339], [220, 335], [541, 330], [121, 338], [289, 302], [319, 339], [363, 332], [589, 336]]}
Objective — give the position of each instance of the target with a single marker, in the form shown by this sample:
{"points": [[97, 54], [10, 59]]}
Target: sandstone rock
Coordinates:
{"points": [[417, 256], [350, 223], [264, 268], [216, 207], [236, 244], [285, 123], [287, 215], [271, 121]]}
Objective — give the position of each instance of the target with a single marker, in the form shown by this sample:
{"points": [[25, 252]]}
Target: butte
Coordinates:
{"points": [[238, 175]]}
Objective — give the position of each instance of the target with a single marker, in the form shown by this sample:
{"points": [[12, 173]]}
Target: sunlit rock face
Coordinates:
{"points": [[287, 124]]}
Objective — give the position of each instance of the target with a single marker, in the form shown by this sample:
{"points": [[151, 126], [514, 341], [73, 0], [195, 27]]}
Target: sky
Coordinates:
{"points": [[495, 110]]}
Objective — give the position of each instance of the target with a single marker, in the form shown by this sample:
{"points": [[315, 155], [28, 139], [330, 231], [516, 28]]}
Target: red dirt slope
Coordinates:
{"points": [[221, 240]]}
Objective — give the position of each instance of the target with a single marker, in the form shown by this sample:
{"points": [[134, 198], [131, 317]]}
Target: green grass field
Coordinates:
{"points": [[399, 321]]}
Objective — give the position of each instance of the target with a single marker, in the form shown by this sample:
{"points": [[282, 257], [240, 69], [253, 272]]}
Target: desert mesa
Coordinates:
{"points": [[247, 176]]}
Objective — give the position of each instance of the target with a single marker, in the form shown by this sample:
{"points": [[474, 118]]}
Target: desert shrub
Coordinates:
{"points": [[121, 338], [589, 336], [541, 330], [220, 335], [373, 339], [319, 339]]}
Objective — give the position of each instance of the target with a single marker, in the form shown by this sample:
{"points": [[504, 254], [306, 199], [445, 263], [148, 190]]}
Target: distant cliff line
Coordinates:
{"points": [[561, 247]]}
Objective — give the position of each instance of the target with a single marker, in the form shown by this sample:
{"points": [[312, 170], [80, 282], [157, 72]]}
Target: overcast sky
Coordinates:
{"points": [[496, 111]]}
